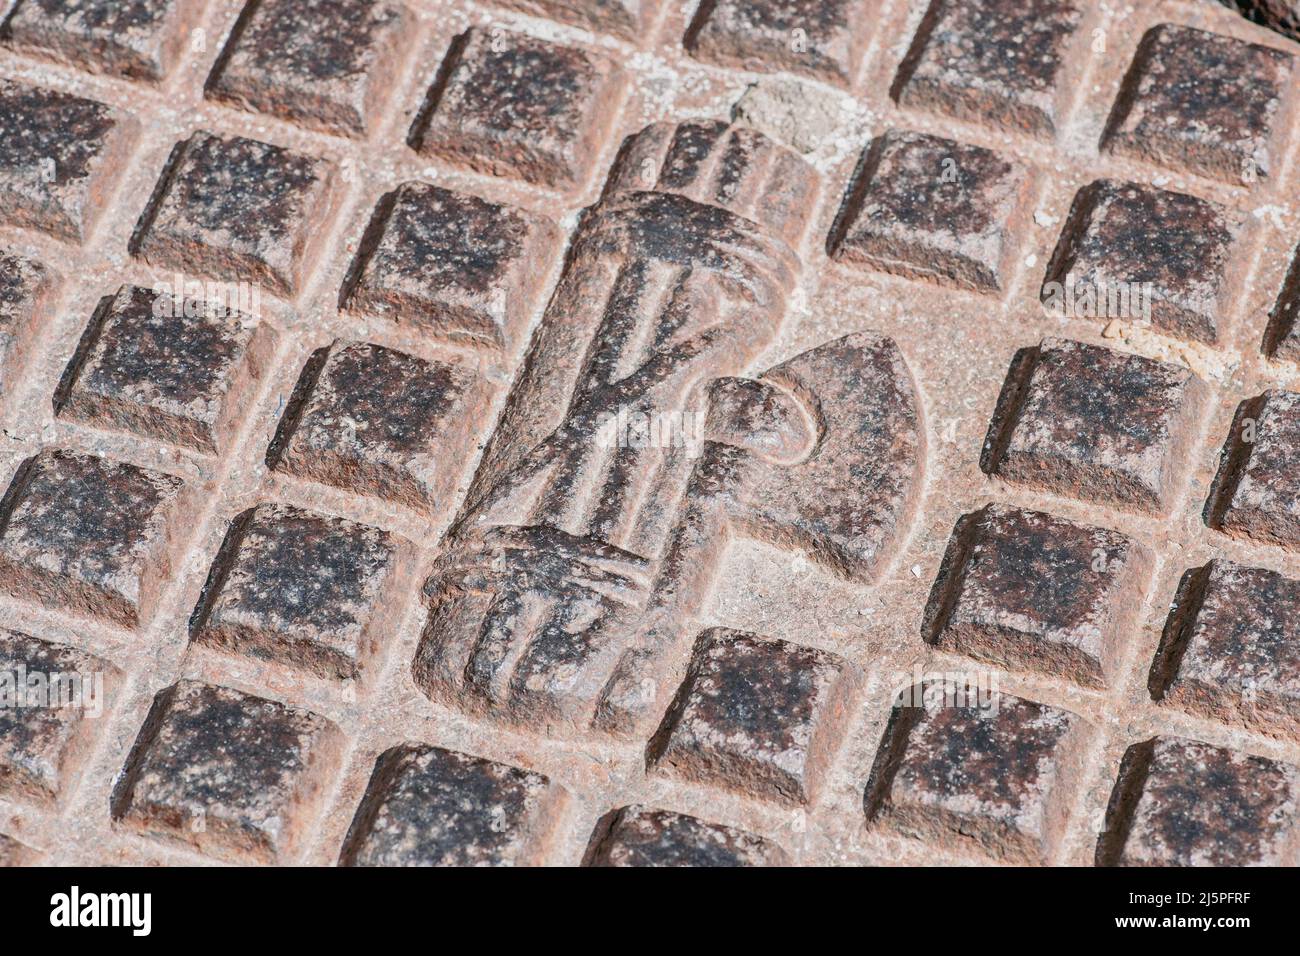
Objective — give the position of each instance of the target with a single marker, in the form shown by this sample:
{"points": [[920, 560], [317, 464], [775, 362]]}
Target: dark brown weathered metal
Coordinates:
{"points": [[639, 433]]}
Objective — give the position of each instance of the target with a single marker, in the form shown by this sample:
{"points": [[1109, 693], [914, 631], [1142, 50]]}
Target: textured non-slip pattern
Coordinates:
{"points": [[450, 433]]}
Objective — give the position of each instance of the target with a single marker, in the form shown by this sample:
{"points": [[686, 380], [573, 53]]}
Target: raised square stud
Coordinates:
{"points": [[140, 39], [87, 534], [326, 64], [1091, 423], [1257, 491], [166, 367], [930, 208], [303, 589], [1231, 648], [996, 62], [508, 104], [379, 422], [1282, 337], [1029, 591], [1146, 255], [232, 775], [460, 267], [641, 836], [1184, 803], [432, 807], [760, 715], [51, 696], [236, 209], [823, 39], [25, 288], [1203, 104], [59, 155], [994, 774]]}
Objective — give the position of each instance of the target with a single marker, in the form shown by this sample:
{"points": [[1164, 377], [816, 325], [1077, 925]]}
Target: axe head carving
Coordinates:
{"points": [[845, 501]]}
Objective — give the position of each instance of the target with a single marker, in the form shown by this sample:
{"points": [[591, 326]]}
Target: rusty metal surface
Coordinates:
{"points": [[454, 433]]}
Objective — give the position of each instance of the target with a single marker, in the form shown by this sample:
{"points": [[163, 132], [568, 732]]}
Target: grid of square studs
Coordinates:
{"points": [[362, 155]]}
